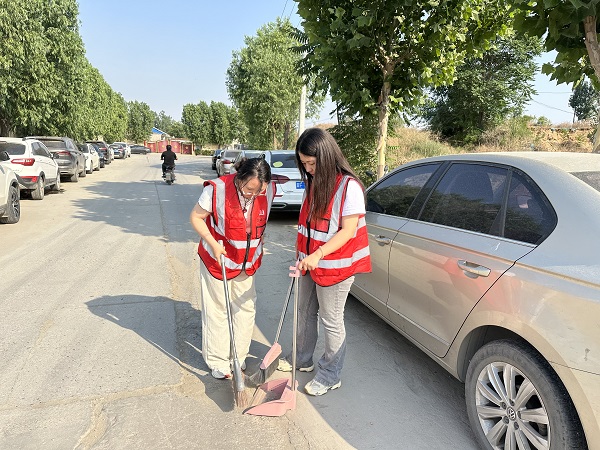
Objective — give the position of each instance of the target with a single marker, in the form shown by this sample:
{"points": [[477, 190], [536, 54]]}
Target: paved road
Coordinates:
{"points": [[101, 344]]}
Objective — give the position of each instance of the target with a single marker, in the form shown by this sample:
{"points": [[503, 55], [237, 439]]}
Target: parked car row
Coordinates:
{"points": [[284, 173], [32, 165]]}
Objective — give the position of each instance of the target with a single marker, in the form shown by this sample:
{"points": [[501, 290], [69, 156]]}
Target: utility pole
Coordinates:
{"points": [[302, 110]]}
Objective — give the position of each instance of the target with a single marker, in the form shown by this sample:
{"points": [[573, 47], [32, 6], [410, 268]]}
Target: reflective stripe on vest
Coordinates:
{"points": [[353, 257], [235, 240]]}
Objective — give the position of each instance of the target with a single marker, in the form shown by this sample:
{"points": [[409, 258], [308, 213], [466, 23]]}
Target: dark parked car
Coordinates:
{"points": [[101, 155], [139, 149], [103, 147], [70, 160], [216, 155], [490, 263], [118, 150]]}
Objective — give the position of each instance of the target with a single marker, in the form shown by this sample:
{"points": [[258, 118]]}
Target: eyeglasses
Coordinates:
{"points": [[252, 193]]}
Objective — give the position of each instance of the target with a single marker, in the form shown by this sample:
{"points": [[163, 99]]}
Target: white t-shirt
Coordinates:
{"points": [[354, 202]]}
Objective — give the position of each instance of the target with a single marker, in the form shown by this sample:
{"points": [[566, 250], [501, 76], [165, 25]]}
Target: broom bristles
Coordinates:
{"points": [[241, 399]]}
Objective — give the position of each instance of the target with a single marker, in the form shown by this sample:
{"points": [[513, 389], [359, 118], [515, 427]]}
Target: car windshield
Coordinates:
{"points": [[54, 144], [283, 160], [12, 148], [591, 178]]}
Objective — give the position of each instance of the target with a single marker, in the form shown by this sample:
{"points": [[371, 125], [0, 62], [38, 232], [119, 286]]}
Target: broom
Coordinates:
{"points": [[268, 366], [239, 388]]}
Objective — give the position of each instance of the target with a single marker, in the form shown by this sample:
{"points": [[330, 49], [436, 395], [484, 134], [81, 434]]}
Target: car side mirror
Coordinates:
{"points": [[4, 156]]}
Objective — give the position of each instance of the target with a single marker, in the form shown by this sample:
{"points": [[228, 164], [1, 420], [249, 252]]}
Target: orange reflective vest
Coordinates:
{"points": [[353, 257], [228, 224]]}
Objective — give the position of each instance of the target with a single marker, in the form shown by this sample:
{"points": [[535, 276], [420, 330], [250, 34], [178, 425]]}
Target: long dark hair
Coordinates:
{"points": [[248, 168], [330, 163]]}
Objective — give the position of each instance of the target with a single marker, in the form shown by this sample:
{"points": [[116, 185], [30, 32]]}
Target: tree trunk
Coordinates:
{"points": [[591, 43], [384, 117], [286, 135]]}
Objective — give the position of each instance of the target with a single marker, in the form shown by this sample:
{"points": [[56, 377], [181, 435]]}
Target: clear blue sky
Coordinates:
{"points": [[167, 54]]}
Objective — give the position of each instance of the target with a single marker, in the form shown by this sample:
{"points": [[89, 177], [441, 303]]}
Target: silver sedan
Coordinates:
{"points": [[490, 263]]}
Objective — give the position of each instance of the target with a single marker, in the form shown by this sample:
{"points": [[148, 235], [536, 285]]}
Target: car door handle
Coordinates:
{"points": [[473, 268], [383, 240]]}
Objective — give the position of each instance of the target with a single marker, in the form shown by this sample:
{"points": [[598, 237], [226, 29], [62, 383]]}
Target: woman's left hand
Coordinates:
{"points": [[311, 261]]}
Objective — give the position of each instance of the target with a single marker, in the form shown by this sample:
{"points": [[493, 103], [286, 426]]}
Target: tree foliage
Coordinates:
{"points": [[487, 90], [220, 127], [140, 121], [47, 86], [197, 123], [378, 56], [264, 85], [585, 101]]}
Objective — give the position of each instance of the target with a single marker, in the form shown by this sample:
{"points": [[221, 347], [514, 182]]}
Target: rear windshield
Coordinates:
{"points": [[285, 160], [54, 144], [83, 148], [231, 154], [591, 178], [12, 148]]}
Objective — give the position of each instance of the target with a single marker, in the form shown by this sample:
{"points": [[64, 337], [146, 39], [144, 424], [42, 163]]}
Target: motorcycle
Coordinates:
{"points": [[170, 175]]}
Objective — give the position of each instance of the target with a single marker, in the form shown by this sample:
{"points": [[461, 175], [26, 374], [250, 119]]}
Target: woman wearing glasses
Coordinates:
{"points": [[232, 210]]}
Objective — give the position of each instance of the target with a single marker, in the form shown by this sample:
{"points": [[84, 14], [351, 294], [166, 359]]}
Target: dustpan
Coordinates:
{"points": [[275, 397]]}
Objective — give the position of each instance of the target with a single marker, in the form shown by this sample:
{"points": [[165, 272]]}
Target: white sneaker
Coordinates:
{"points": [[219, 375], [286, 366], [316, 388]]}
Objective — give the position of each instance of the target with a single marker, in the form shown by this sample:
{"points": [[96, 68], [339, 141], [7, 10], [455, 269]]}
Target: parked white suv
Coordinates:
{"points": [[33, 163], [10, 203]]}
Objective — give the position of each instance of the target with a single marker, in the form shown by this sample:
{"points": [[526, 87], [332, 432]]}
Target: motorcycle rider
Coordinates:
{"points": [[168, 157]]}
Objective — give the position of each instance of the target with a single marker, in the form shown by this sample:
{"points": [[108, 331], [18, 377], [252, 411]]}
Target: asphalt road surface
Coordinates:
{"points": [[101, 347]]}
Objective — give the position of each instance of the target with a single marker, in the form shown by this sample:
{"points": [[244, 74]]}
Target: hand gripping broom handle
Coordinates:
{"points": [[237, 370]]}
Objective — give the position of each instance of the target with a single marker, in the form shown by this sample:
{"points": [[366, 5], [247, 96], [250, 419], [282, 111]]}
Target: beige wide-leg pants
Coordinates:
{"points": [[215, 331]]}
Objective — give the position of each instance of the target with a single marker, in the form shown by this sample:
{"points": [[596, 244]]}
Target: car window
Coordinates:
{"points": [[396, 193], [83, 148], [55, 144], [36, 149], [468, 196], [283, 160], [529, 218], [12, 148]]}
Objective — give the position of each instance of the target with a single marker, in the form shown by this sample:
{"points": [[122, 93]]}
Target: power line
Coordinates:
{"points": [[547, 92], [552, 107], [284, 8]]}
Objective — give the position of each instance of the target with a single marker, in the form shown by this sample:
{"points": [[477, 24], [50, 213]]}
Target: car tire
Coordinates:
{"points": [[13, 207], [97, 168], [498, 421], [38, 192], [75, 177], [91, 169], [56, 186], [83, 173]]}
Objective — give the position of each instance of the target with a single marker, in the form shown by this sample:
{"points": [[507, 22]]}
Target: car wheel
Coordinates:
{"points": [[97, 168], [83, 173], [38, 192], [13, 211], [516, 400], [56, 186], [75, 177]]}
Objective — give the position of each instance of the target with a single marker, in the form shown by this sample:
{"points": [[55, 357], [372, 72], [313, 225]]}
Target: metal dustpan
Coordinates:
{"points": [[275, 397]]}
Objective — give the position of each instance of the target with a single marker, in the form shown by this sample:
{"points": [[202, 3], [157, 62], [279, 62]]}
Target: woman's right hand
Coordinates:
{"points": [[218, 250]]}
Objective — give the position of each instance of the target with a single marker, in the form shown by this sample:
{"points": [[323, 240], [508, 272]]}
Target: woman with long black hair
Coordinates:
{"points": [[332, 246]]}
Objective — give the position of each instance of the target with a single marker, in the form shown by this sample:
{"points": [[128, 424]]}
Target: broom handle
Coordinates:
{"points": [[285, 307], [295, 329]]}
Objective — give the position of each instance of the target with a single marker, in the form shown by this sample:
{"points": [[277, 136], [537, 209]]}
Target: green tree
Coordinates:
{"points": [[220, 127], [488, 90], [569, 27], [197, 122], [264, 85], [585, 101], [163, 122], [378, 56], [41, 55], [140, 121], [237, 127]]}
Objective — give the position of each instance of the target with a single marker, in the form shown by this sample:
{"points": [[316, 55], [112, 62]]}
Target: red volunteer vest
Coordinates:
{"points": [[352, 258], [227, 224]]}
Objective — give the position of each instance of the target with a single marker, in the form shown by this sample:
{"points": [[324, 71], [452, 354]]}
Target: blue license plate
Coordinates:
{"points": [[299, 184]]}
